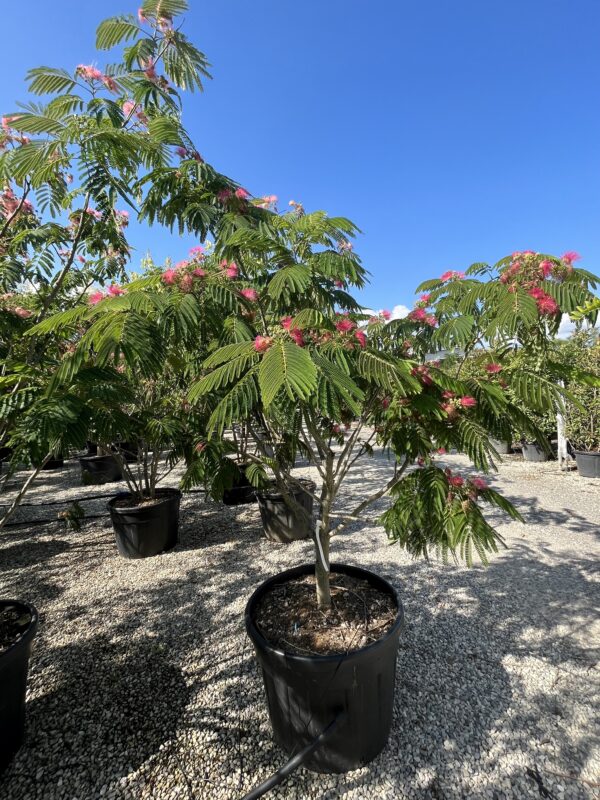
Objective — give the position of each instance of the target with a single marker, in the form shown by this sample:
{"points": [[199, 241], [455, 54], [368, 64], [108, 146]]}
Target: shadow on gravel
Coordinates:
{"points": [[106, 709]]}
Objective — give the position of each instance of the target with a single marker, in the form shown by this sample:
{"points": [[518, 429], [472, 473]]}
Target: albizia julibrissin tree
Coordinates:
{"points": [[97, 147], [307, 365]]}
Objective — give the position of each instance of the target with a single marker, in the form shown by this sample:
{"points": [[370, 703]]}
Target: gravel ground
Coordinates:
{"points": [[143, 685]]}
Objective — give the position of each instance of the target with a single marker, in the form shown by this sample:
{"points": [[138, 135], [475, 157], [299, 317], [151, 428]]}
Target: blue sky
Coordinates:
{"points": [[450, 132]]}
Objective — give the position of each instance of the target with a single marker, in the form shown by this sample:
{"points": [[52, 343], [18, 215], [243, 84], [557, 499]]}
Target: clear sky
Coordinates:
{"points": [[450, 131]]}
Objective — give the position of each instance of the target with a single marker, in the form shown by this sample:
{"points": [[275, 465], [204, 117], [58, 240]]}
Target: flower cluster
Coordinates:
{"points": [[452, 275], [347, 327], [453, 404], [420, 312], [114, 290], [131, 109], [528, 269], [10, 204], [472, 487], [268, 201], [381, 317]]}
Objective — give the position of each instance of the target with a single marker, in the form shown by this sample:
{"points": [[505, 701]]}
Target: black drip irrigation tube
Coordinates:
{"points": [[66, 502], [295, 761]]}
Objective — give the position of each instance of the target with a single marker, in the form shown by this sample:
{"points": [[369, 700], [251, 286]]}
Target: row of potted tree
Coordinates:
{"points": [[242, 358]]}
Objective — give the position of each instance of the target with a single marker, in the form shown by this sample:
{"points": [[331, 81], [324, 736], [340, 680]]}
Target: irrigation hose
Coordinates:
{"points": [[295, 761]]}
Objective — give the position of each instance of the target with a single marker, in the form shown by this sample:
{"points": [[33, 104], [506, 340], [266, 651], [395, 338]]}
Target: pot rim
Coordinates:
{"points": [[273, 493], [29, 633], [168, 492], [304, 569], [586, 452]]}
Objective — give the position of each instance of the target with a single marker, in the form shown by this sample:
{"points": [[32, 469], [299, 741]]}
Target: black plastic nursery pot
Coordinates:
{"points": [[14, 665], [148, 529], [533, 452], [588, 463], [128, 451], [503, 448], [242, 491], [306, 693], [99, 470], [280, 523], [56, 462]]}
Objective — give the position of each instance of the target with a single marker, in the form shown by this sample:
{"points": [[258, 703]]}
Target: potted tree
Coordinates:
{"points": [[583, 417], [310, 359]]}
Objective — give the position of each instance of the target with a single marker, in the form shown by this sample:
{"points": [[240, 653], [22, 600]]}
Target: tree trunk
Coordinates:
{"points": [[322, 567]]}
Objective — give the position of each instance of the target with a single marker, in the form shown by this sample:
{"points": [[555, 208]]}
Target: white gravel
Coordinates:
{"points": [[143, 685]]}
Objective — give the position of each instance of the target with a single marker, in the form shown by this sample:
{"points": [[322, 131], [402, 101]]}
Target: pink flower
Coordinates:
{"points": [[387, 315], [468, 402], [360, 336], [417, 315], [115, 290], [141, 16], [456, 480], [480, 484], [181, 152], [546, 267], [441, 451], [431, 320], [199, 272], [89, 73], [336, 429], [250, 294], [493, 368], [262, 343], [448, 395], [570, 256], [232, 270], [110, 83], [425, 298], [81, 259], [286, 323], [6, 122], [345, 325], [451, 274], [385, 403], [186, 284], [200, 447], [268, 201], [339, 284], [95, 298], [374, 320], [149, 70], [169, 276], [344, 246], [224, 195], [242, 194], [122, 218], [537, 293], [296, 335], [128, 107], [197, 251], [182, 264], [93, 213], [547, 306], [23, 313]]}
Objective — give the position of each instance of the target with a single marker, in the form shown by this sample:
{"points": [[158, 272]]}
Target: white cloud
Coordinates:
{"points": [[398, 312], [567, 328]]}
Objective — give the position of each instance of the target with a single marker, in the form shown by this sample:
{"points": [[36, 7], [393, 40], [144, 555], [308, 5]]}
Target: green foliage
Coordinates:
{"points": [[582, 352]]}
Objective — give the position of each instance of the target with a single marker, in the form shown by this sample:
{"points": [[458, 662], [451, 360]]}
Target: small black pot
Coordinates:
{"points": [[533, 452], [279, 521], [92, 448], [305, 693], [99, 469], [146, 530], [503, 448], [588, 463], [14, 664], [54, 463], [242, 490]]}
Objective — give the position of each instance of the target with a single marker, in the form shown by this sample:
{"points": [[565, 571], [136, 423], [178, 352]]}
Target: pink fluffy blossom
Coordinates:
{"points": [[23, 313], [547, 306], [570, 256], [197, 251], [286, 323], [385, 403], [361, 338], [262, 343], [424, 298], [417, 315], [224, 195], [95, 298], [181, 152], [493, 368], [94, 213], [456, 480], [141, 16], [182, 264], [232, 270], [186, 283], [387, 315], [199, 272], [89, 72], [250, 294], [339, 284], [468, 402], [169, 276], [451, 274], [115, 290], [441, 451], [431, 320], [242, 194], [546, 267], [345, 325], [110, 83], [296, 335], [480, 484]]}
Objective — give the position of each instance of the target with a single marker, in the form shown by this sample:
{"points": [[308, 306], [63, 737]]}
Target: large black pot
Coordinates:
{"points": [[128, 451], [241, 491], [99, 469], [280, 523], [149, 529], [14, 664], [533, 452], [588, 463], [55, 462], [305, 693]]}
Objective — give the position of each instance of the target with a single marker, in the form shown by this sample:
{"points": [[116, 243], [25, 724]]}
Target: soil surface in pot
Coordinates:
{"points": [[127, 502], [360, 614], [14, 622]]}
